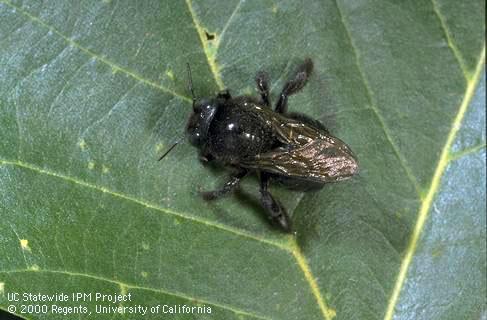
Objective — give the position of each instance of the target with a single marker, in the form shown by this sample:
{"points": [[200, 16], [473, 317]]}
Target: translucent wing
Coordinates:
{"points": [[310, 154]]}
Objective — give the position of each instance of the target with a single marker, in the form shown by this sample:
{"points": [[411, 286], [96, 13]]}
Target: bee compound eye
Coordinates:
{"points": [[195, 137]]}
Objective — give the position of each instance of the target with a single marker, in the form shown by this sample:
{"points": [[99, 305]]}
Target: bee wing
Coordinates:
{"points": [[312, 154]]}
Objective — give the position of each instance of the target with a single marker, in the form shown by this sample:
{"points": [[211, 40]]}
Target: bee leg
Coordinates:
{"points": [[262, 80], [228, 187], [293, 86], [276, 213], [224, 94]]}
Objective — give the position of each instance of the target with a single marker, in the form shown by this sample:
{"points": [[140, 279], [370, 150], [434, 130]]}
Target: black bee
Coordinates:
{"points": [[244, 133]]}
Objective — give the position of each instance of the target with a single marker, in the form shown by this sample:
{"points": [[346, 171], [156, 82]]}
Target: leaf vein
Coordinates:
{"points": [[95, 55], [375, 110], [225, 27], [435, 185], [326, 311], [449, 40], [22, 250], [209, 57], [65, 85], [109, 113], [147, 204], [290, 247], [133, 286], [466, 152]]}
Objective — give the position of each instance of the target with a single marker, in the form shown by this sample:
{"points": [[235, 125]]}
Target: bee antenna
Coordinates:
{"points": [[169, 150], [190, 84]]}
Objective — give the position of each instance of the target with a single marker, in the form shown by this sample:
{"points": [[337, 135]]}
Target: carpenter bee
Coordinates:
{"points": [[245, 134]]}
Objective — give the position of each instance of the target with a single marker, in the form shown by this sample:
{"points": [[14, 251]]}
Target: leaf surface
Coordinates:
{"points": [[92, 92]]}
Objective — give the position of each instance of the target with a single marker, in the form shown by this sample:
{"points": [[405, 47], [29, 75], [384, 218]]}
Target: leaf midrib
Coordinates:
{"points": [[211, 59], [424, 210], [443, 161]]}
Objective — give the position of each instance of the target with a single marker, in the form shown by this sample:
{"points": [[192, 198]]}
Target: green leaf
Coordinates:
{"points": [[92, 92]]}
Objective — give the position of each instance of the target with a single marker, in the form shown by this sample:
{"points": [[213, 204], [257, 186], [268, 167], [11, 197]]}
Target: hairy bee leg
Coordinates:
{"points": [[228, 187], [262, 80], [225, 94], [294, 85], [276, 213]]}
